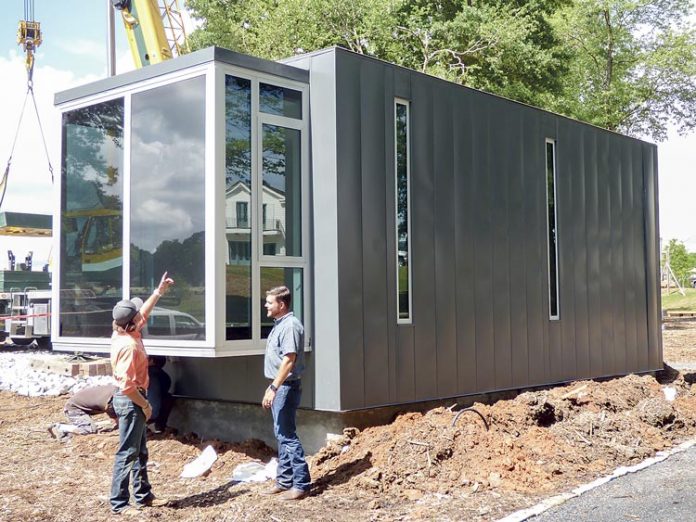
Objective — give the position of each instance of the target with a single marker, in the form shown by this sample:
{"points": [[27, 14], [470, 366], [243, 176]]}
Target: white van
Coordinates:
{"points": [[164, 323]]}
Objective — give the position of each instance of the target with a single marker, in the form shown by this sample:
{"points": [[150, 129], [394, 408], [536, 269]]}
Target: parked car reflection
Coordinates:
{"points": [[164, 323]]}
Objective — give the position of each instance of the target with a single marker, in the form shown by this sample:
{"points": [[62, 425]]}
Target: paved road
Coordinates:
{"points": [[663, 492]]}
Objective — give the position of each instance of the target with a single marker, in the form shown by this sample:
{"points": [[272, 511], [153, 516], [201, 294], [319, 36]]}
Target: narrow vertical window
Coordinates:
{"points": [[552, 227], [403, 211]]}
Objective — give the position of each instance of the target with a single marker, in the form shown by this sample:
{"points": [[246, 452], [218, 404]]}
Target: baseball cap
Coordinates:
{"points": [[125, 310]]}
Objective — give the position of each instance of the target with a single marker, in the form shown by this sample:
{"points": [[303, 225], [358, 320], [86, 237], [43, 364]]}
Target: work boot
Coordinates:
{"points": [[57, 433], [295, 494], [152, 501], [274, 490]]}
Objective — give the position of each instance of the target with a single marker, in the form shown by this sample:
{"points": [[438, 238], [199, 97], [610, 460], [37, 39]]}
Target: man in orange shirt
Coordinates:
{"points": [[129, 363]]}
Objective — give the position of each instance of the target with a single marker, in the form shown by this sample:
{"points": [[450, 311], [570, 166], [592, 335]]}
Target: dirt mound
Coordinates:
{"points": [[534, 443], [446, 464]]}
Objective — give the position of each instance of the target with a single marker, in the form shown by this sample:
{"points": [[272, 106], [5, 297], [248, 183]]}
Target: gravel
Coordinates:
{"points": [[17, 376]]}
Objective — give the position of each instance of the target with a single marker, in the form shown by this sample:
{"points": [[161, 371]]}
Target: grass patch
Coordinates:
{"points": [[676, 301]]}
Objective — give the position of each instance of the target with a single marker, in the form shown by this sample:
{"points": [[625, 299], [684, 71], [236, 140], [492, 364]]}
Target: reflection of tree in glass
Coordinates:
{"points": [[90, 126], [181, 259], [274, 156], [238, 128], [402, 175]]}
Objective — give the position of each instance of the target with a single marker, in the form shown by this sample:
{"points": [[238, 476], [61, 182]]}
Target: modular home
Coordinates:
{"points": [[439, 241]]}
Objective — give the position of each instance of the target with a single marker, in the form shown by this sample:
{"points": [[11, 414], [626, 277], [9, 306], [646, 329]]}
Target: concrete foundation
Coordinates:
{"points": [[236, 422]]}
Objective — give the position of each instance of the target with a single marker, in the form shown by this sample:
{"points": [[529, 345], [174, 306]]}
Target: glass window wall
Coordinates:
{"points": [[167, 227], [280, 101], [552, 227], [272, 277], [403, 225], [282, 191], [91, 219], [237, 207]]}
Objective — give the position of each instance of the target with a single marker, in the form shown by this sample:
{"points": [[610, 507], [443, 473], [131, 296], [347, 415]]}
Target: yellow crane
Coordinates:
{"points": [[155, 29]]}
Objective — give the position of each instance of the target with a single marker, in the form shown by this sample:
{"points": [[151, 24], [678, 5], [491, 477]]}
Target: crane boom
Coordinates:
{"points": [[155, 30]]}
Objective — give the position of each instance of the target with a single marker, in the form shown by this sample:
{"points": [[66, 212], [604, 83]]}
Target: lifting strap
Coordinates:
{"points": [[3, 182]]}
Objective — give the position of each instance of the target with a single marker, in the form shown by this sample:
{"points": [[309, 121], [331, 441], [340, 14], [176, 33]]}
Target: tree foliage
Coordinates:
{"points": [[680, 260], [626, 65], [632, 65], [504, 47]]}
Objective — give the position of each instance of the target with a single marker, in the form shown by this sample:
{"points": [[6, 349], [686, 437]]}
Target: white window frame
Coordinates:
{"points": [[407, 104], [204, 348], [257, 345], [554, 146]]}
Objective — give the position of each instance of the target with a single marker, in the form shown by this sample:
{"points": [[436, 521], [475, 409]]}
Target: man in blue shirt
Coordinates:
{"points": [[283, 364]]}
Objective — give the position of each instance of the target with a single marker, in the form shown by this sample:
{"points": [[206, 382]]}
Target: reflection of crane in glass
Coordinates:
{"points": [[95, 236]]}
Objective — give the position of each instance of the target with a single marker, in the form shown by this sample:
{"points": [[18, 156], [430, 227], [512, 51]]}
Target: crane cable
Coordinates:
{"points": [[29, 47]]}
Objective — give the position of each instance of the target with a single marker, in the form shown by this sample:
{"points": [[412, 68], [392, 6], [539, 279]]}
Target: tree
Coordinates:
{"points": [[625, 65], [508, 48], [679, 260], [632, 66]]}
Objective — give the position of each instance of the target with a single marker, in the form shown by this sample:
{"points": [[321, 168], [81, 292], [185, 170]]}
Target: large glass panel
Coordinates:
{"points": [[167, 195], [237, 207], [91, 241], [552, 227], [282, 191], [280, 101], [272, 277], [402, 213]]}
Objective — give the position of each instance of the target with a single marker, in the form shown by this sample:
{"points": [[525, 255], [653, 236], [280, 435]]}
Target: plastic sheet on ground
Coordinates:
{"points": [[203, 463], [255, 471]]}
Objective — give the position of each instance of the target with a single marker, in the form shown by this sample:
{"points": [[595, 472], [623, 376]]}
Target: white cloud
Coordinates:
{"points": [[29, 186], [82, 47]]}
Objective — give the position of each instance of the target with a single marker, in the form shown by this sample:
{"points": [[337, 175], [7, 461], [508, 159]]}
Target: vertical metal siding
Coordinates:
{"points": [[374, 259], [445, 238], [576, 164], [535, 247], [643, 231], [422, 240], [390, 85], [631, 310], [501, 163], [479, 244], [464, 251], [652, 257], [350, 238], [593, 262], [518, 230], [566, 153], [483, 149]]}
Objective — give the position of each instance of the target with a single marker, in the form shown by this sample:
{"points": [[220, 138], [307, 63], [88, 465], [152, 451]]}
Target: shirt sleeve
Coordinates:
{"points": [[290, 341]]}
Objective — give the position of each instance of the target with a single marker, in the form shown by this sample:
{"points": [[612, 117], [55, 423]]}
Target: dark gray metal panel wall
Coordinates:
{"points": [[479, 244], [350, 236], [238, 379]]}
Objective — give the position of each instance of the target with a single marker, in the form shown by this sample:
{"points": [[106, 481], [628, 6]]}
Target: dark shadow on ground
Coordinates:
{"points": [[215, 497], [667, 375], [342, 474], [255, 449]]}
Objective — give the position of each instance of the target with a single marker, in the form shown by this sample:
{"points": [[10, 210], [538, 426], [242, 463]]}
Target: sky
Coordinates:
{"points": [[74, 53]]}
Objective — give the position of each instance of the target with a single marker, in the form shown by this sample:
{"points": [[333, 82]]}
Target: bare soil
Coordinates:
{"points": [[478, 464]]}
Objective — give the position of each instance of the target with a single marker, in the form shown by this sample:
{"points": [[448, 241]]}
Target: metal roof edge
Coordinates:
{"points": [[209, 54]]}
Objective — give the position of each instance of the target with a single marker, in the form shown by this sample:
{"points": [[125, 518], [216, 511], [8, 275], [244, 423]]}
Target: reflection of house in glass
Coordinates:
{"points": [[439, 241], [238, 223]]}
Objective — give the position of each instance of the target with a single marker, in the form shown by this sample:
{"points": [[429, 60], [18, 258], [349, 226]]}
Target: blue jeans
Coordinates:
{"points": [[292, 467], [131, 456]]}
